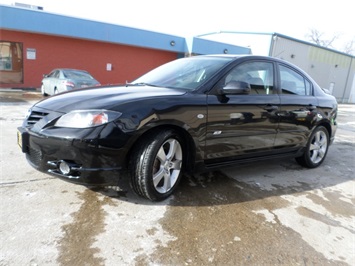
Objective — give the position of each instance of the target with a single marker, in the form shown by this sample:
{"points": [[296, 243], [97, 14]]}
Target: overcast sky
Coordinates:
{"points": [[188, 18]]}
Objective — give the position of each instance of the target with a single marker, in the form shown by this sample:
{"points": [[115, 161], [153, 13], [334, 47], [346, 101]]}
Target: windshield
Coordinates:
{"points": [[185, 73]]}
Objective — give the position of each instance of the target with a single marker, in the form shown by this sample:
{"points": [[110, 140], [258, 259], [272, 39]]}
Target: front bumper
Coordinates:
{"points": [[80, 161]]}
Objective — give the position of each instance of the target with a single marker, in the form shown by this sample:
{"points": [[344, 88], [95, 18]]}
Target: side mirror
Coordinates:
{"points": [[326, 91], [235, 87]]}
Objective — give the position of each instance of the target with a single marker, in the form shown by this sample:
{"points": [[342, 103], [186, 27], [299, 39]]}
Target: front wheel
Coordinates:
{"points": [[43, 91], [316, 149], [156, 165]]}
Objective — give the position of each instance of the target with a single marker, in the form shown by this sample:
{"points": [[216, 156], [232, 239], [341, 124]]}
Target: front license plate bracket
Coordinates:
{"points": [[22, 139]]}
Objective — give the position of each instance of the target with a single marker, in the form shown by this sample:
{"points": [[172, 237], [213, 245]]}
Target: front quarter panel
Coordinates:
{"points": [[187, 113]]}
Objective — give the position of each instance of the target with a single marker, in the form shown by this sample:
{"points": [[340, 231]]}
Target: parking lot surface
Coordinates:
{"points": [[267, 213]]}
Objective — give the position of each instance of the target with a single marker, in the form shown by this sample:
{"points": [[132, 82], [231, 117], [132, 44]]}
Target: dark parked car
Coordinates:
{"points": [[64, 79], [188, 115]]}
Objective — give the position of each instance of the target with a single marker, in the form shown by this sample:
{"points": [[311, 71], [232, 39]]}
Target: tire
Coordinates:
{"points": [[156, 165], [316, 149]]}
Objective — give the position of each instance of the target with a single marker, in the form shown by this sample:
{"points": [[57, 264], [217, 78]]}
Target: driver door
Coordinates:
{"points": [[243, 124]]}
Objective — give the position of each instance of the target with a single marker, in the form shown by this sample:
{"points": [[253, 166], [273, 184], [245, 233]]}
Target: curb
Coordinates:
{"points": [[32, 95], [26, 93]]}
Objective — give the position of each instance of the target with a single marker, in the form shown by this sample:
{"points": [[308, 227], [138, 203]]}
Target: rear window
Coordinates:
{"points": [[77, 75]]}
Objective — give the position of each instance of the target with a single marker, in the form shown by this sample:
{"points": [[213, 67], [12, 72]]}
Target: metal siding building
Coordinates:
{"points": [[201, 46]]}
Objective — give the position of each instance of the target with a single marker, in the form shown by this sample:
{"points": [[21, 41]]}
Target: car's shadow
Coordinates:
{"points": [[242, 183]]}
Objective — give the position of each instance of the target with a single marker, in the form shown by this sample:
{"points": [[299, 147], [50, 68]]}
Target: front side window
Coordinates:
{"points": [[259, 75], [292, 83], [11, 62]]}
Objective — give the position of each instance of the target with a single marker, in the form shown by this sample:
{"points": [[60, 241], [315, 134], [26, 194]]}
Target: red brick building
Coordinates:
{"points": [[49, 52]]}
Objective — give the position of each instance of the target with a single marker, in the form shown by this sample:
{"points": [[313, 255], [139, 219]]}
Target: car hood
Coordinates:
{"points": [[103, 97]]}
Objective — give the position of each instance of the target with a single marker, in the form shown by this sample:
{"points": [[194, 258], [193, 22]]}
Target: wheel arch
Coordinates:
{"points": [[327, 126], [316, 149], [189, 147], [43, 89]]}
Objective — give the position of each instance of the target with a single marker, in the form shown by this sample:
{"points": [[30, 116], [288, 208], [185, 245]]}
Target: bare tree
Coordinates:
{"points": [[349, 48], [316, 37]]}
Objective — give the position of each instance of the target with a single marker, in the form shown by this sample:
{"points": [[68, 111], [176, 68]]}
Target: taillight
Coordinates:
{"points": [[68, 83]]}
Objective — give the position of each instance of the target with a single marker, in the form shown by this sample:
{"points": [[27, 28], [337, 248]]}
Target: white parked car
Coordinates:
{"points": [[60, 80]]}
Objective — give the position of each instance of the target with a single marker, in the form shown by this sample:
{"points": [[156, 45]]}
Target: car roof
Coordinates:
{"points": [[69, 69], [261, 57], [255, 57], [244, 57], [236, 56], [223, 55]]}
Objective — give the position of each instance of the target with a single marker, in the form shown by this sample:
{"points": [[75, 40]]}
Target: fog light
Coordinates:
{"points": [[64, 167]]}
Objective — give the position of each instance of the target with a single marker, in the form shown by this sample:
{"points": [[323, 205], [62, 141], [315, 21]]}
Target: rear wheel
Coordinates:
{"points": [[316, 150], [156, 165]]}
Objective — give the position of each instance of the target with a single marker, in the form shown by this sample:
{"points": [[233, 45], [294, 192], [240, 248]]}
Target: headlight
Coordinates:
{"points": [[29, 111], [87, 118]]}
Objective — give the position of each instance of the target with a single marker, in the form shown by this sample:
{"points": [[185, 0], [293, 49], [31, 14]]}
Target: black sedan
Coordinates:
{"points": [[191, 114]]}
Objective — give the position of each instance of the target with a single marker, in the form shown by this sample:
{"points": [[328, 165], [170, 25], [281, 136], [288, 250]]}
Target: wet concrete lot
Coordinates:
{"points": [[273, 212]]}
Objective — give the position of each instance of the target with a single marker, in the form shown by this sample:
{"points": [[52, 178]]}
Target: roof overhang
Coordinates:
{"points": [[36, 21]]}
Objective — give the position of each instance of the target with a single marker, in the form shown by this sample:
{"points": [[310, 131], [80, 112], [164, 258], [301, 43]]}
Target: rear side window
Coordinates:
{"points": [[292, 83]]}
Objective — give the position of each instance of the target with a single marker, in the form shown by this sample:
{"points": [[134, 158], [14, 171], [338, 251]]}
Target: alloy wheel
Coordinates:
{"points": [[167, 165]]}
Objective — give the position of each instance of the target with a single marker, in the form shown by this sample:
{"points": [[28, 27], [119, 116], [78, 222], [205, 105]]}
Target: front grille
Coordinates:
{"points": [[35, 117]]}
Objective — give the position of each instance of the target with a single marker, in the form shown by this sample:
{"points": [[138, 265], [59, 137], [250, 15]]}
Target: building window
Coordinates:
{"points": [[11, 62]]}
